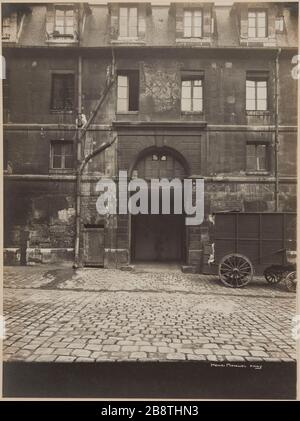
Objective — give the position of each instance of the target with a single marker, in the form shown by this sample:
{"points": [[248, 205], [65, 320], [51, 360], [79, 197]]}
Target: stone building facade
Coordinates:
{"points": [[189, 90]]}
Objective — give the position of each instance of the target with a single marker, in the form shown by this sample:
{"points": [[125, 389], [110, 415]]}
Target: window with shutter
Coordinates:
{"points": [[192, 23], [256, 94], [192, 94], [128, 91], [64, 22], [257, 24], [128, 22]]}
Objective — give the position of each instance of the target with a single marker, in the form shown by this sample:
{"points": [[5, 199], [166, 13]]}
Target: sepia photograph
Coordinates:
{"points": [[149, 200]]}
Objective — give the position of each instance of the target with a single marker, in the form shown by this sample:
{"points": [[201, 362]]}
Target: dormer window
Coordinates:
{"points": [[64, 22], [6, 29], [128, 22], [192, 23], [257, 24], [10, 27]]}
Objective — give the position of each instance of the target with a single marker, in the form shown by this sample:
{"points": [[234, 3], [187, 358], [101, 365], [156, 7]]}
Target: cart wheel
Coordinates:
{"points": [[235, 270], [291, 282], [270, 276], [273, 276]]}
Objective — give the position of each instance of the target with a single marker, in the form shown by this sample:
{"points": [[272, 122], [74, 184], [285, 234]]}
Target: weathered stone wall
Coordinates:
{"points": [[44, 207], [44, 213]]}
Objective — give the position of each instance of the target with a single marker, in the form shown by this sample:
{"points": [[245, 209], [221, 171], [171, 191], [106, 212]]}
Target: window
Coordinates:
{"points": [[257, 24], [62, 92], [64, 22], [192, 23], [128, 91], [159, 157], [192, 95], [62, 155], [256, 94], [6, 28], [279, 24], [128, 22], [257, 157]]}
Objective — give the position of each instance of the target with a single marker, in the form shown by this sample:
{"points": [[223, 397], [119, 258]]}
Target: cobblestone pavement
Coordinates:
{"points": [[111, 315], [140, 280]]}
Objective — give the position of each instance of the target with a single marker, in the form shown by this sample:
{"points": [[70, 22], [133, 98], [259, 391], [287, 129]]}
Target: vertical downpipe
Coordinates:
{"points": [[78, 167], [276, 130]]}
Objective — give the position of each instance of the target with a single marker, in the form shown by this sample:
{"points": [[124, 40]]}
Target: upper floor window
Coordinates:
{"points": [[6, 29], [62, 98], [128, 22], [257, 24], [192, 23], [256, 94], [191, 95], [64, 22], [128, 91], [62, 157], [257, 157]]}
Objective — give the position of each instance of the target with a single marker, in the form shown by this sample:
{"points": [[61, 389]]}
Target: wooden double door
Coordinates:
{"points": [[157, 237]]}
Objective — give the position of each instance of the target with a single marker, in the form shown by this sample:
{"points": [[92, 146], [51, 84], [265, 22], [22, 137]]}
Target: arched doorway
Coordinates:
{"points": [[159, 237]]}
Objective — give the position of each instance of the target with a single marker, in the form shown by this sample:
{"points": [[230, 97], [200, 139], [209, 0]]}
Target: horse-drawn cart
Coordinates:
{"points": [[266, 241]]}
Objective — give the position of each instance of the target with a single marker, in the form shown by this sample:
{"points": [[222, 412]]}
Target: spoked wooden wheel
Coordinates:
{"points": [[273, 275], [235, 270], [291, 281], [270, 277]]}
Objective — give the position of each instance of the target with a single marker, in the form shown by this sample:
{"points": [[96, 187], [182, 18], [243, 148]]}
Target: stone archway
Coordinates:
{"points": [[158, 237]]}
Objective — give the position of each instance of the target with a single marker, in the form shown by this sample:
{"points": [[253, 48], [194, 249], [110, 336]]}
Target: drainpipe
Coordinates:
{"points": [[276, 145], [78, 161]]}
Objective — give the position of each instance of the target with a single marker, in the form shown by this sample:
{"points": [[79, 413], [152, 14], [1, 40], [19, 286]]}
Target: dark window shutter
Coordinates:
{"points": [[179, 21]]}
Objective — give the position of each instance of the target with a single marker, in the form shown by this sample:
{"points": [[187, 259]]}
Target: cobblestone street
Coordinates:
{"points": [[112, 315]]}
